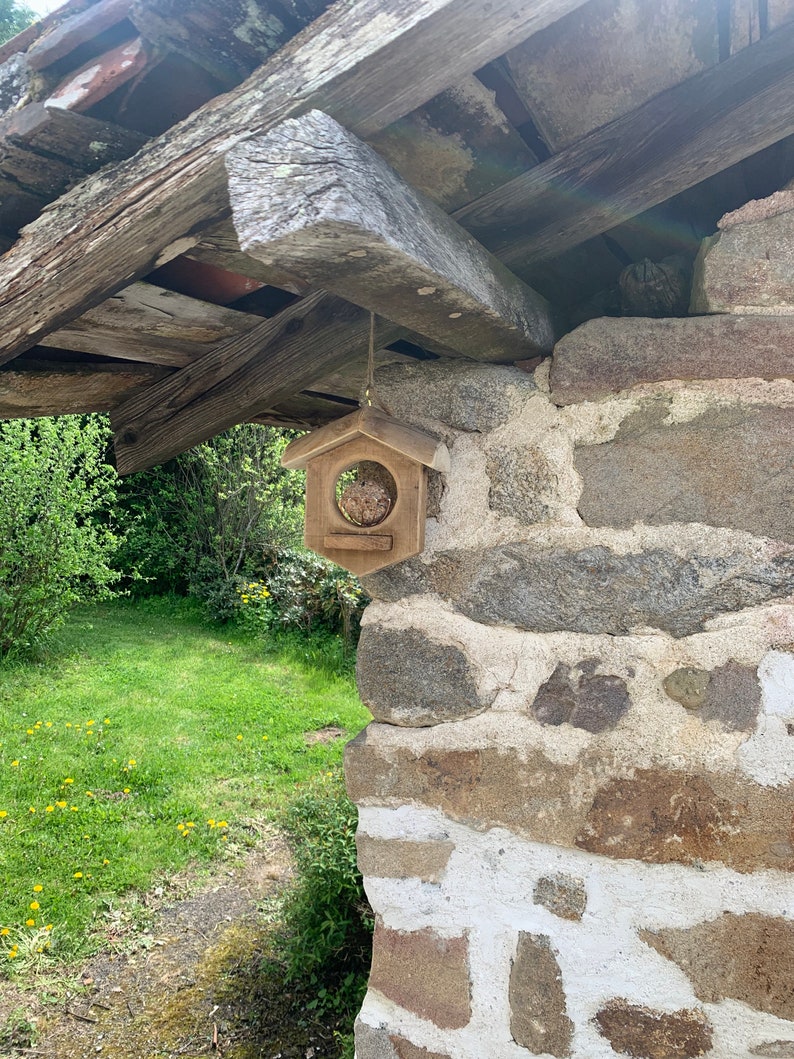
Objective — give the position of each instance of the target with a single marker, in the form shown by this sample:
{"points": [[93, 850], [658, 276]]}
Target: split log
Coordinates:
{"points": [[313, 198], [46, 388], [147, 323]]}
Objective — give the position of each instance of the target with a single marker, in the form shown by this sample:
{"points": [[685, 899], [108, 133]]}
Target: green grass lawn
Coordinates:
{"points": [[146, 742]]}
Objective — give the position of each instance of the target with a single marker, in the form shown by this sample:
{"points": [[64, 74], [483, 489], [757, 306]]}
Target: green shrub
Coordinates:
{"points": [[302, 591], [327, 943], [55, 540]]}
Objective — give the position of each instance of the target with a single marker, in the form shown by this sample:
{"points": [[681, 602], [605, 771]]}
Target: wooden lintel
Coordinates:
{"points": [[240, 377], [116, 227], [675, 140], [311, 197], [44, 388]]}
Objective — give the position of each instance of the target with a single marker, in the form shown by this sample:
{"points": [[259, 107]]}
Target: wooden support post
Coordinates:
{"points": [[312, 198]]}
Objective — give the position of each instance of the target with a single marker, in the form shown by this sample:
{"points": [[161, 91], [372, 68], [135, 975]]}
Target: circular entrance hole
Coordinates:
{"points": [[366, 493]]}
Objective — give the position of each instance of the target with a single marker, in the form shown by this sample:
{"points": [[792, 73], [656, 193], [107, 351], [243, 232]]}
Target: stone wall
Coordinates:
{"points": [[577, 795]]}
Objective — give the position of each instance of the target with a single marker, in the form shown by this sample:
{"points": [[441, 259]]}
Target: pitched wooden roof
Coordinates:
{"points": [[559, 140]]}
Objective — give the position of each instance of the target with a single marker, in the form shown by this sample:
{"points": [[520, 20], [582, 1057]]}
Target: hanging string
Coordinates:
{"points": [[370, 383]]}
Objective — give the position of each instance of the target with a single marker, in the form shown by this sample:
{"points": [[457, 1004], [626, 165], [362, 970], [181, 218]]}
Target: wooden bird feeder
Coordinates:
{"points": [[366, 488]]}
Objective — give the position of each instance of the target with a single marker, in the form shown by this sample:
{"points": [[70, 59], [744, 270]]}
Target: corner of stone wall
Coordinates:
{"points": [[577, 794]]}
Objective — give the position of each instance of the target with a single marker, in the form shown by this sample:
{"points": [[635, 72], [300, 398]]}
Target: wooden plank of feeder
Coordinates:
{"points": [[313, 198], [360, 542]]}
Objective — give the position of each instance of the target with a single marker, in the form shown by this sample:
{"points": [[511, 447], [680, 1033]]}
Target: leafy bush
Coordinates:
{"points": [[301, 591], [203, 521], [55, 540], [327, 943], [13, 18]]}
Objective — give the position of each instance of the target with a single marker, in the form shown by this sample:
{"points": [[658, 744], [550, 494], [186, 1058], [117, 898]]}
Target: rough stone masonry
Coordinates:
{"points": [[577, 794]]}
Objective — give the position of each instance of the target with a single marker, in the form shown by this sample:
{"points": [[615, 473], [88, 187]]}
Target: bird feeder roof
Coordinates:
{"points": [[374, 425]]}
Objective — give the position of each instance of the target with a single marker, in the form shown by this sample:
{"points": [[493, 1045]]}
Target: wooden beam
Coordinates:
{"points": [[150, 324], [313, 198], [45, 388], [366, 63], [239, 378], [670, 143]]}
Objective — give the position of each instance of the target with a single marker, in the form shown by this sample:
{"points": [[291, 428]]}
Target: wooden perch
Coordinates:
{"points": [[312, 198]]}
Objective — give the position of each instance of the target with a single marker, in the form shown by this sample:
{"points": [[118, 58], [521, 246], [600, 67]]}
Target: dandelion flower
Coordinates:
{"points": [[61, 805], [126, 790], [106, 721], [4, 932], [29, 731], [48, 927], [30, 922], [37, 888], [89, 723], [265, 738], [48, 724], [32, 809], [89, 794], [78, 875], [12, 954], [34, 906], [180, 827], [15, 764], [106, 861], [74, 808], [68, 780], [49, 809], [3, 814], [239, 737]]}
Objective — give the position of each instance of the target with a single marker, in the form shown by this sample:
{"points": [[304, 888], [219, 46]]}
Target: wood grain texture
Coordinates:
{"points": [[367, 63], [74, 31], [44, 388], [150, 324], [238, 378], [315, 199], [670, 143]]}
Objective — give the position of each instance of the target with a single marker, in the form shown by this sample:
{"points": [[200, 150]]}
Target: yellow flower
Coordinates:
{"points": [[49, 809], [78, 875], [89, 794], [32, 809], [222, 823], [68, 780], [180, 827], [30, 922], [89, 723], [265, 738], [14, 764], [3, 814], [61, 805], [106, 861], [239, 737], [4, 932], [37, 888], [48, 724], [48, 927], [34, 906], [211, 822], [74, 809], [30, 731], [12, 953], [132, 762], [68, 724], [126, 790]]}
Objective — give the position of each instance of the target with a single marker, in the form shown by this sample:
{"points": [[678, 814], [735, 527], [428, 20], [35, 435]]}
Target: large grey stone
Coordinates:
{"points": [[521, 482], [730, 694], [407, 679], [595, 590], [611, 354], [460, 393], [748, 266], [730, 467]]}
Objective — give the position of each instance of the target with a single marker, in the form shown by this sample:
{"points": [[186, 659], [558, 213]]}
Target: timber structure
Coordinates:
{"points": [[202, 202]]}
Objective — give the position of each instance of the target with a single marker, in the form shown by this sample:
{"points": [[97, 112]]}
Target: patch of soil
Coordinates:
{"points": [[324, 735], [191, 985]]}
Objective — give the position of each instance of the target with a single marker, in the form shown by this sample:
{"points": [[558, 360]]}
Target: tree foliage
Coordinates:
{"points": [[209, 517], [13, 18], [56, 543]]}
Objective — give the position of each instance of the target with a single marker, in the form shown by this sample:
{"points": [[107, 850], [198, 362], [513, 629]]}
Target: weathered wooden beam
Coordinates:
{"points": [[313, 198], [44, 148], [74, 31], [366, 63], [150, 324], [45, 388], [239, 378], [673, 141]]}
